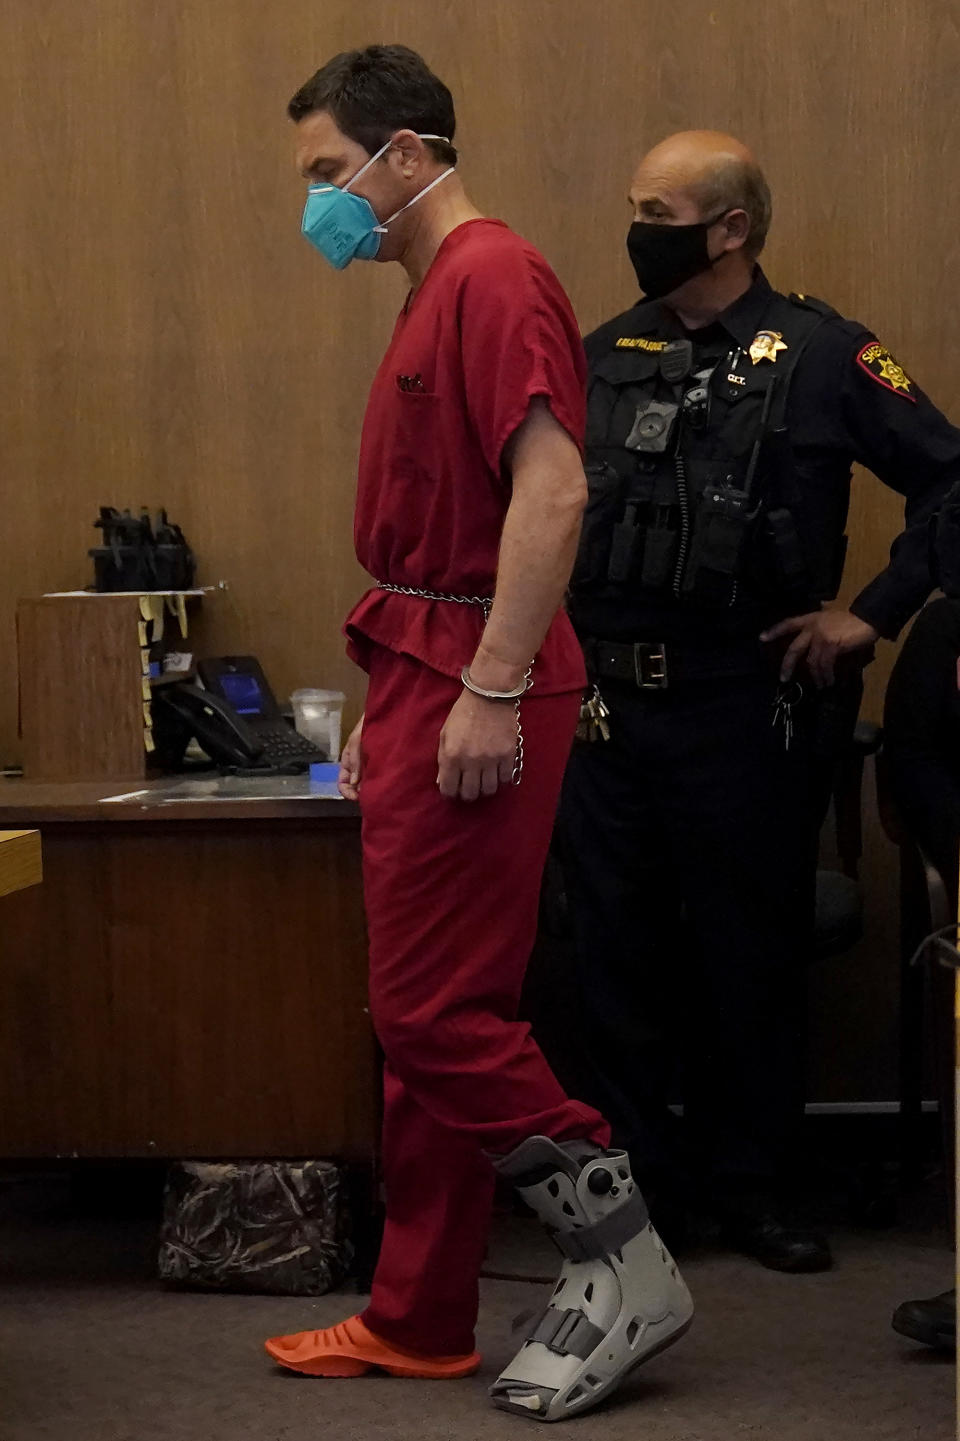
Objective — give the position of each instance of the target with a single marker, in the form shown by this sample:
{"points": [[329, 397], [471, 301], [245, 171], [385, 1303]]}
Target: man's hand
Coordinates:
{"points": [[478, 748], [351, 765], [821, 637]]}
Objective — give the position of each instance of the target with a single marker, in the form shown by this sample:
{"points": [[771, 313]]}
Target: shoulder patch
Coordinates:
{"points": [[640, 342], [880, 365]]}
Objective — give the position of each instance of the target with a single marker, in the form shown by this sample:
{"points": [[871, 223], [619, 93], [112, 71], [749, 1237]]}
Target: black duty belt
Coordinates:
{"points": [[655, 665]]}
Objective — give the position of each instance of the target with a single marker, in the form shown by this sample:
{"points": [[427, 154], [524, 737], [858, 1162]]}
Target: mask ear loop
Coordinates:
{"points": [[323, 189], [364, 168], [419, 195], [382, 229]]}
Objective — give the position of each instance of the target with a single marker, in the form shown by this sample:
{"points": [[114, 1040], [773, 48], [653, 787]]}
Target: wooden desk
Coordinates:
{"points": [[20, 862], [188, 981]]}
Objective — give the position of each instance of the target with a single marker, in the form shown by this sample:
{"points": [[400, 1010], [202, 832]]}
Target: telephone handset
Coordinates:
{"points": [[235, 718], [225, 736]]}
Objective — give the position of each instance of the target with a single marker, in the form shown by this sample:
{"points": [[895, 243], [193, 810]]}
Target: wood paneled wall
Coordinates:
{"points": [[167, 337]]}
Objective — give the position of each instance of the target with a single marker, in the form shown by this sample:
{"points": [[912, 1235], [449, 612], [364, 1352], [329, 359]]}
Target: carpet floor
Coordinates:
{"points": [[92, 1348]]}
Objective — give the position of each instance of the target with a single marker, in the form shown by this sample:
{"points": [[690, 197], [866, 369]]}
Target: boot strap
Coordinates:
{"points": [[568, 1333], [593, 1243]]}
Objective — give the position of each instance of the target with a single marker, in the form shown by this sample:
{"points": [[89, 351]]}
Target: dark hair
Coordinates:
{"points": [[373, 92]]}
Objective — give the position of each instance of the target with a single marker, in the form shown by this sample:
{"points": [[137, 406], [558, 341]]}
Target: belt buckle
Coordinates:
{"points": [[650, 665]]}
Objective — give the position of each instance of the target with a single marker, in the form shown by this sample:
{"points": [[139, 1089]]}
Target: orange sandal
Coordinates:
{"points": [[351, 1350]]}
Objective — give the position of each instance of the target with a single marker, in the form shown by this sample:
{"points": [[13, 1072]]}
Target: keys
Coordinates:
{"points": [[594, 716], [786, 698]]}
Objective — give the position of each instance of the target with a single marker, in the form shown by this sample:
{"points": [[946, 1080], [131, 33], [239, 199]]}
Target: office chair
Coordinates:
{"points": [[925, 906]]}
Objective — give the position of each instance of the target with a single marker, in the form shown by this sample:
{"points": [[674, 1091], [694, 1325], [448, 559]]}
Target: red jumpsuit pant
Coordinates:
{"points": [[452, 892]]}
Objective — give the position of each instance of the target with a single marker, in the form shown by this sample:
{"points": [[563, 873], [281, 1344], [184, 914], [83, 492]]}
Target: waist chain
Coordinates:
{"points": [[485, 601]]}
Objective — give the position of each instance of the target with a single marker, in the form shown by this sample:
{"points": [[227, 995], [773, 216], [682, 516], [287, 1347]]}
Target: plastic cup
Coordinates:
{"points": [[318, 715]]}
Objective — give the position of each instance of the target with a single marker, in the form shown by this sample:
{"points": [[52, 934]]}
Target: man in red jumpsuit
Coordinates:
{"points": [[469, 505]]}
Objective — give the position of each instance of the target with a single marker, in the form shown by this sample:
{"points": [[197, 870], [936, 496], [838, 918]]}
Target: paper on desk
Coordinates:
{"points": [[70, 594], [242, 788], [232, 788]]}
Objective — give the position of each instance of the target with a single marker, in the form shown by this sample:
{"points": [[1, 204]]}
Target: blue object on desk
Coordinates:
{"points": [[325, 771], [323, 780]]}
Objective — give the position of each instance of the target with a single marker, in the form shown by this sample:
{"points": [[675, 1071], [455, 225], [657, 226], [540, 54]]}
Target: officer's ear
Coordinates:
{"points": [[736, 223]]}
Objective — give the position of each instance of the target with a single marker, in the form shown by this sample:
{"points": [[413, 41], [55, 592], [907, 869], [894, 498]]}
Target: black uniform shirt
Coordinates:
{"points": [[849, 401]]}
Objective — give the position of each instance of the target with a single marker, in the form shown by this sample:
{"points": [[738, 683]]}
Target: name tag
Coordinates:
{"points": [[640, 342]]}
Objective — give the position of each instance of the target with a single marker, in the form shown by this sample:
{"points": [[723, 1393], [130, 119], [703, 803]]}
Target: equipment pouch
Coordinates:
{"points": [[621, 384], [789, 562], [660, 549], [624, 546], [723, 520], [604, 490]]}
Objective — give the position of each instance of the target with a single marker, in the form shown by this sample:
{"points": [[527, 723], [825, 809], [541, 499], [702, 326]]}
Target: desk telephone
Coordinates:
{"points": [[235, 718]]}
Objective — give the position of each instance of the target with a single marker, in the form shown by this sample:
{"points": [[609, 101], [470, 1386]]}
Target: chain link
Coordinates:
{"points": [[517, 776], [485, 602]]}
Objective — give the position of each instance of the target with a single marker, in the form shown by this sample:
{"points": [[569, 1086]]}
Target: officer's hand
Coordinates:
{"points": [[351, 765], [478, 748], [820, 637]]}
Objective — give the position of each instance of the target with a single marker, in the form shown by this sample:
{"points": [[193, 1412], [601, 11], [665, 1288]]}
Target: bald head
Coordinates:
{"points": [[684, 158], [701, 175]]}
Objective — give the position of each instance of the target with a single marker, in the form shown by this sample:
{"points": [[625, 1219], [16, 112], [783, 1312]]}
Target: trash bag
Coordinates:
{"points": [[280, 1227]]}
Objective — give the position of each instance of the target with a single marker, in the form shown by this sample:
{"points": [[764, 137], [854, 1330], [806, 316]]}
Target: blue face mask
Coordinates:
{"points": [[344, 226]]}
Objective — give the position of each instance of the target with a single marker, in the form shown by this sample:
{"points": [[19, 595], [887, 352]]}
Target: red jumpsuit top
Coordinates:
{"points": [[489, 328]]}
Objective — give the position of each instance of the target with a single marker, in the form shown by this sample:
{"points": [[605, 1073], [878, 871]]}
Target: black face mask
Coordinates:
{"points": [[667, 256]]}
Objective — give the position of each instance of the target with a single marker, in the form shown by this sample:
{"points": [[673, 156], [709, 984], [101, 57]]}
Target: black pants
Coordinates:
{"points": [[687, 844]]}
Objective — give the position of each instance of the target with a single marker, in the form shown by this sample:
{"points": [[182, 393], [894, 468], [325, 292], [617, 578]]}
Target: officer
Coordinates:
{"points": [[723, 419]]}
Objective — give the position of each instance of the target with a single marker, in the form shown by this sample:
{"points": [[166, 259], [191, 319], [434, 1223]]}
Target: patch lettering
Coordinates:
{"points": [[877, 361], [640, 342]]}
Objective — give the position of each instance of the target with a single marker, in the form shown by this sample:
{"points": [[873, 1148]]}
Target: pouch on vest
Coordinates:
{"points": [[624, 545], [661, 544], [786, 552], [604, 499], [622, 385], [723, 520]]}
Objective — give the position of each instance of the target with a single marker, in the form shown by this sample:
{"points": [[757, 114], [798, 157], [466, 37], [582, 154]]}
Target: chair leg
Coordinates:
{"points": [[914, 922]]}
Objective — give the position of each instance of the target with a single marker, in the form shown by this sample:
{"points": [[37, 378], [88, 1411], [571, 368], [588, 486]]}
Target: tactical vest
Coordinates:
{"points": [[693, 495]]}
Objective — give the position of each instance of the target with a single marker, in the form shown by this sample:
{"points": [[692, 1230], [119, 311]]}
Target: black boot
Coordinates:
{"points": [[756, 1226], [934, 1321]]}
